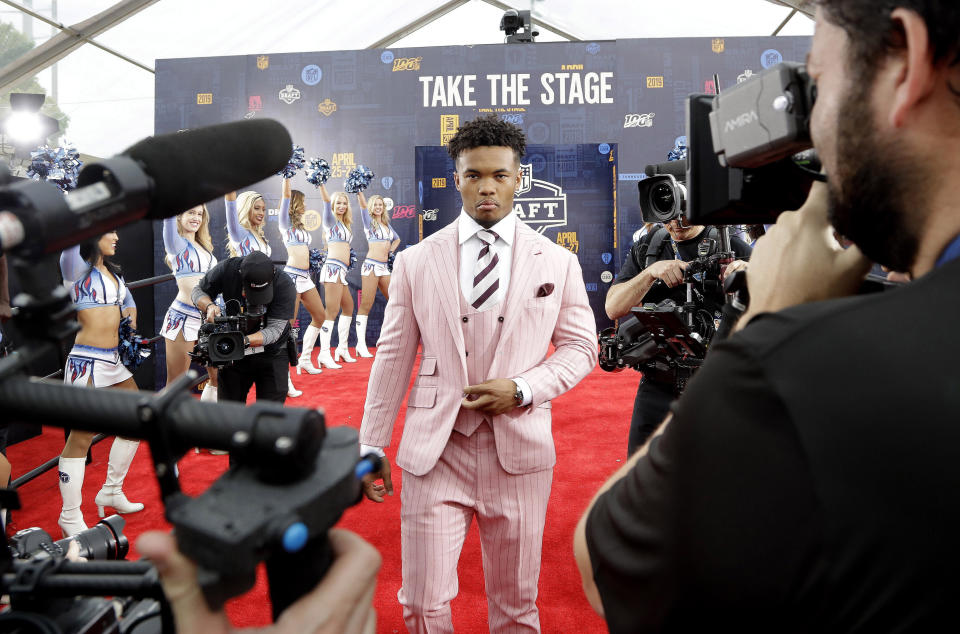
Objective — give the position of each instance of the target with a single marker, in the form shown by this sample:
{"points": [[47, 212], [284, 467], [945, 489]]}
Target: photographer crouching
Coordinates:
{"points": [[654, 271], [259, 301]]}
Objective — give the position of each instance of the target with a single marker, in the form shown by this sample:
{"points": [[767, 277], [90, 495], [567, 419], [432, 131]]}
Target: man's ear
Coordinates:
{"points": [[456, 180], [916, 76]]}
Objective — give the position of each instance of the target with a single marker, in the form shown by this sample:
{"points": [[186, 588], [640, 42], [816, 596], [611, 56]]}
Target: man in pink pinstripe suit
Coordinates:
{"points": [[485, 296]]}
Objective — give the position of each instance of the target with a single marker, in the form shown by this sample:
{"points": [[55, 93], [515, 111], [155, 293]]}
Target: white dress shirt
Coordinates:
{"points": [[470, 246]]}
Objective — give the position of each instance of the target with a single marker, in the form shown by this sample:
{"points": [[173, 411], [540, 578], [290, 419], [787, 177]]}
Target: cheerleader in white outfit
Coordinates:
{"points": [[186, 239], [297, 240], [102, 301], [337, 228], [382, 240]]}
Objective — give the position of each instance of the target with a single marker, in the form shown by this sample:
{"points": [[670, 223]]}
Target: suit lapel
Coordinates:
{"points": [[447, 257], [526, 256]]}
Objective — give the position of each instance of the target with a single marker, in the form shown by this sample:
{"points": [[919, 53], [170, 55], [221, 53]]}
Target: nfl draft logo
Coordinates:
{"points": [[326, 107], [718, 45], [538, 203], [289, 94], [263, 62]]}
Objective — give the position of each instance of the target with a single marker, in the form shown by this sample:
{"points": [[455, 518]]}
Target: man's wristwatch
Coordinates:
{"points": [[518, 394], [246, 342]]}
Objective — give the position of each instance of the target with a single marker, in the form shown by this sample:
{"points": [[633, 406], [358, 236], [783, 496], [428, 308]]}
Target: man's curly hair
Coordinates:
{"points": [[487, 131]]}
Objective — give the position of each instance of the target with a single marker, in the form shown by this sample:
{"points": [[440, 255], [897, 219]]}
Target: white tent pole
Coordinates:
{"points": [[68, 40], [418, 24], [784, 23]]}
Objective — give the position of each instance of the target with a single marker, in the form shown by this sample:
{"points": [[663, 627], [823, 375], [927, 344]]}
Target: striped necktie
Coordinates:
{"points": [[486, 278]]}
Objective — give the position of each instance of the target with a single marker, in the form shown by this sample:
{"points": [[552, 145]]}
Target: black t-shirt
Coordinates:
{"points": [[635, 260], [225, 278], [808, 481]]}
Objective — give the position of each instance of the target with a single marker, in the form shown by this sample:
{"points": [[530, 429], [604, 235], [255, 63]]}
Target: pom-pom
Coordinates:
{"points": [[134, 349], [353, 259], [358, 179], [317, 258], [678, 153], [318, 171], [294, 164], [390, 259], [59, 166]]}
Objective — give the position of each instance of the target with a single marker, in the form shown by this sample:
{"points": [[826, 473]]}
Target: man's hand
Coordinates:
{"points": [[670, 272], [490, 397], [341, 603], [733, 267], [376, 491], [212, 311], [799, 261]]}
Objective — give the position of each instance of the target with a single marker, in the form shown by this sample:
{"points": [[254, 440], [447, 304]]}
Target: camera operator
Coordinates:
{"points": [[804, 483], [251, 285], [653, 271]]}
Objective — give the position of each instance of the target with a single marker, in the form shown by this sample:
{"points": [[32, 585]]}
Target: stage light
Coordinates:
{"points": [[25, 126], [516, 25]]}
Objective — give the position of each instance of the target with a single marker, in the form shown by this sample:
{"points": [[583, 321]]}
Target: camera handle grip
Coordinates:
{"points": [[291, 575]]}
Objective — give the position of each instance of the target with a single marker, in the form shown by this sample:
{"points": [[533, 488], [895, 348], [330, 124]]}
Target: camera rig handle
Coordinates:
{"points": [[242, 520], [290, 481]]}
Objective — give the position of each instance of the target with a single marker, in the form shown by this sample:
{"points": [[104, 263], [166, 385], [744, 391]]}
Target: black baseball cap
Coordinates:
{"points": [[257, 273]]}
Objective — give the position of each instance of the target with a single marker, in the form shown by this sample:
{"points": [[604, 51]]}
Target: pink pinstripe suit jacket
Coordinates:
{"points": [[424, 307]]}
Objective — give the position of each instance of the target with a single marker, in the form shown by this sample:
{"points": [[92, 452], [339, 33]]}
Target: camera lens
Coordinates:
{"points": [[105, 541], [225, 347], [662, 199]]}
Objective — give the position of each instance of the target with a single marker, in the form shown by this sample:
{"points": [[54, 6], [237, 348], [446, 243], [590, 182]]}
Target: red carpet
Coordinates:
{"points": [[590, 428]]}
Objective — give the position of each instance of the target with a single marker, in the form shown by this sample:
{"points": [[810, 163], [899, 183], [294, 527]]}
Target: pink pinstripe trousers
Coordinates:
{"points": [[436, 511]]}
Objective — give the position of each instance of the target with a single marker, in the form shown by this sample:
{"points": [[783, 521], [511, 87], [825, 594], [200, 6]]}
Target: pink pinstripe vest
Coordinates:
{"points": [[481, 336]]}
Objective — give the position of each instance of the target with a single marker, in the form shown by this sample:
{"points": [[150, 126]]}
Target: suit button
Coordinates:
{"points": [[466, 319], [500, 318]]}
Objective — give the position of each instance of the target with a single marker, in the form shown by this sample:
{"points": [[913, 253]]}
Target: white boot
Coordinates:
{"points": [[342, 352], [292, 391], [361, 324], [324, 358], [121, 455], [305, 363], [209, 393], [71, 485]]}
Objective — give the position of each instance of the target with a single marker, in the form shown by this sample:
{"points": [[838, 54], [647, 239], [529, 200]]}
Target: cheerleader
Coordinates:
{"points": [[382, 241], [246, 219], [337, 221], [186, 239], [102, 301], [297, 240]]}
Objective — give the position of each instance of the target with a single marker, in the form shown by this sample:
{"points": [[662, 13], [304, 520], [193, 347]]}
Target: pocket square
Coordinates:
{"points": [[545, 289]]}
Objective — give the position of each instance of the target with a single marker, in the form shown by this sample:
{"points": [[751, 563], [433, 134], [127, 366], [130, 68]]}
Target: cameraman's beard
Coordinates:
{"points": [[876, 190]]}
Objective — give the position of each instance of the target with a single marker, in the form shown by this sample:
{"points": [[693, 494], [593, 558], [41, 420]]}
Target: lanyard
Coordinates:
{"points": [[676, 251], [950, 253]]}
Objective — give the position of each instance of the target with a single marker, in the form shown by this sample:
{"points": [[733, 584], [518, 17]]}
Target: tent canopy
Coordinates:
{"points": [[96, 57]]}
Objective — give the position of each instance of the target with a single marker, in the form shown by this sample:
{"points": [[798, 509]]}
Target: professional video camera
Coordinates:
{"points": [[749, 155], [48, 593], [221, 342], [291, 477]]}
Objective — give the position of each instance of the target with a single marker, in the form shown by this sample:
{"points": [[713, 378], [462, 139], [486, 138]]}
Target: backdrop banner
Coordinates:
{"points": [[380, 107]]}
